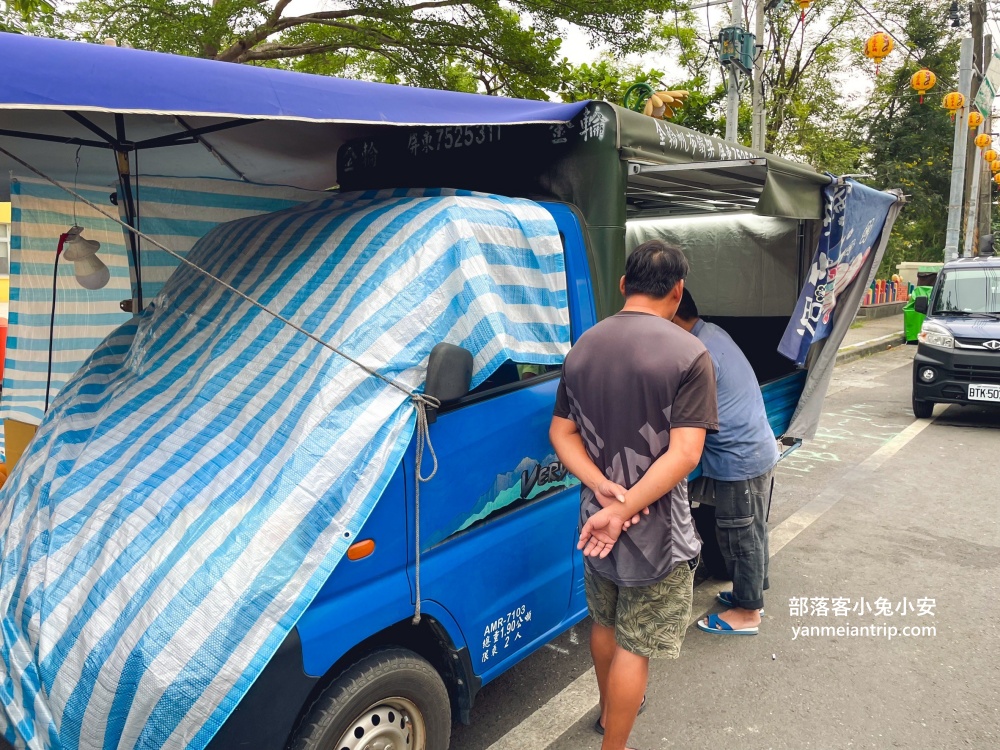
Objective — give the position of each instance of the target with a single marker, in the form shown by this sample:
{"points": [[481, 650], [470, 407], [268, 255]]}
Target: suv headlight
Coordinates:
{"points": [[935, 334]]}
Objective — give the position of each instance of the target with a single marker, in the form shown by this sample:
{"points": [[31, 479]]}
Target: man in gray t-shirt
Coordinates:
{"points": [[636, 400]]}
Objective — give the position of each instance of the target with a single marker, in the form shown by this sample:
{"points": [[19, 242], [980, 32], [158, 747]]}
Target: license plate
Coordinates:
{"points": [[984, 392]]}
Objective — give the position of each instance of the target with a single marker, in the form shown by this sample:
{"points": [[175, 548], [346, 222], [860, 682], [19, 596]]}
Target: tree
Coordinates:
{"points": [[806, 115], [910, 144], [608, 79], [500, 46], [23, 15]]}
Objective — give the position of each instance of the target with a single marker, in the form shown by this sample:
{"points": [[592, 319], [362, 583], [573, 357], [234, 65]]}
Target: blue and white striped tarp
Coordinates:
{"points": [[176, 212], [194, 485]]}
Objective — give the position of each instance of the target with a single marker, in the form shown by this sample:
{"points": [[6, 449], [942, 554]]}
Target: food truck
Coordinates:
{"points": [[301, 494]]}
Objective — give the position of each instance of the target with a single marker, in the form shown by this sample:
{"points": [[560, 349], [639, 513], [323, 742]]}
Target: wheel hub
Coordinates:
{"points": [[393, 724]]}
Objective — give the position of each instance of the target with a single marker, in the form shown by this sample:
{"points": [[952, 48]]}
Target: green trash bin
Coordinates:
{"points": [[912, 320]]}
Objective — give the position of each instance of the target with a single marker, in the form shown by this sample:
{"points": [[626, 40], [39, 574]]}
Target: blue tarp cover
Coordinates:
{"points": [[194, 484]]}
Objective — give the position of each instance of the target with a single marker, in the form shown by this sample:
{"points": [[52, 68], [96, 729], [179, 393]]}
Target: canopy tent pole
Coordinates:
{"points": [[121, 146], [196, 134], [125, 188]]}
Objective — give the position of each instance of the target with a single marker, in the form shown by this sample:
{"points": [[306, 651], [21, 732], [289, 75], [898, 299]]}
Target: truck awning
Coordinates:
{"points": [[675, 171], [700, 187]]}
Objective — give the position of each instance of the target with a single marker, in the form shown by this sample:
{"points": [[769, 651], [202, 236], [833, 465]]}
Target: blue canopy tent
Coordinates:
{"points": [[262, 125]]}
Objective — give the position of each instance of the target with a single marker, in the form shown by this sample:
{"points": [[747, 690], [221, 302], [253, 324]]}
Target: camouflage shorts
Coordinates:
{"points": [[648, 620]]}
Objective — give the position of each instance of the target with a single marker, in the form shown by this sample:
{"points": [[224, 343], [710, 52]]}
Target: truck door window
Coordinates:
{"points": [[508, 377]]}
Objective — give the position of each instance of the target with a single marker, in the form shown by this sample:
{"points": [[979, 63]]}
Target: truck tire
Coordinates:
{"points": [[922, 409], [391, 699]]}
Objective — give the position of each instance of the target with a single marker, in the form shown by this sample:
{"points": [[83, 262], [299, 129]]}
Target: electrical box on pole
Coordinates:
{"points": [[737, 47]]}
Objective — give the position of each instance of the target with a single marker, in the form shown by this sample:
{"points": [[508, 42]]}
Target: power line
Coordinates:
{"points": [[884, 27]]}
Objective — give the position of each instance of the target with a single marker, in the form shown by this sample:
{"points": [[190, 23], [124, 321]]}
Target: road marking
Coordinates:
{"points": [[548, 723], [805, 516]]}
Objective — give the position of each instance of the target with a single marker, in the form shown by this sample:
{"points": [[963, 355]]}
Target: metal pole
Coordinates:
{"points": [[986, 177], [758, 82], [733, 105], [958, 154], [977, 16], [972, 222]]}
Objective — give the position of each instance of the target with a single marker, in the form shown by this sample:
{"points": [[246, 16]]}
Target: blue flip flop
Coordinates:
{"points": [[726, 597], [717, 626]]}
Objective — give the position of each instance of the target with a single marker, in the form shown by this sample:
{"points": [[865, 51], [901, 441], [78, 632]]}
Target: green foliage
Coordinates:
{"points": [[20, 16], [496, 46], [910, 144], [603, 80], [807, 117]]}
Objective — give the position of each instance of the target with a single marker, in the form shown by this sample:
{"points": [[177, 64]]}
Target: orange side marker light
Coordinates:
{"points": [[360, 550]]}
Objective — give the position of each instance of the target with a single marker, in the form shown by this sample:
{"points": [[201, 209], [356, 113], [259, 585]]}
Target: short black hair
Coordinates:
{"points": [[687, 310], [653, 269]]}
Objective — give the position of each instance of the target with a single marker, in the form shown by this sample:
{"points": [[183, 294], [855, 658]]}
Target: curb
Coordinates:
{"points": [[867, 348]]}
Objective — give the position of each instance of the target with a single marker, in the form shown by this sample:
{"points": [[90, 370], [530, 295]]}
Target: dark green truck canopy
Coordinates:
{"points": [[698, 173], [611, 163]]}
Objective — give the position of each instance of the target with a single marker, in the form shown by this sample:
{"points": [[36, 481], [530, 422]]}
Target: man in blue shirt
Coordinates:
{"points": [[738, 476]]}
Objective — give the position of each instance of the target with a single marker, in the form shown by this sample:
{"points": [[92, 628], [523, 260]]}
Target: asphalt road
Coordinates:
{"points": [[879, 512]]}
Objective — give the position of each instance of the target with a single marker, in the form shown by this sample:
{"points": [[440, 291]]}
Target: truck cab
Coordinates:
{"points": [[958, 350]]}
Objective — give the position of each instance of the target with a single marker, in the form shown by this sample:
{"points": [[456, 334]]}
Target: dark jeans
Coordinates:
{"points": [[741, 510]]}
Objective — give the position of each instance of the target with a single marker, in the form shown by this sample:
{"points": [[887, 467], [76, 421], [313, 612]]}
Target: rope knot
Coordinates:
{"points": [[422, 402]]}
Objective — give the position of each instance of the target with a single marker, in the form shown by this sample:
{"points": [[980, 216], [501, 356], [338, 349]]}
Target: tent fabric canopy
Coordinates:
{"points": [[52, 74], [255, 124]]}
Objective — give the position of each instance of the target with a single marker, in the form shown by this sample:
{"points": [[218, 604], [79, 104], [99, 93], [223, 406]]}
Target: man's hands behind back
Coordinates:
{"points": [[610, 494]]}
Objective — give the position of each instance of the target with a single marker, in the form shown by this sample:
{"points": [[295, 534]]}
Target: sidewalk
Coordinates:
{"points": [[867, 337]]}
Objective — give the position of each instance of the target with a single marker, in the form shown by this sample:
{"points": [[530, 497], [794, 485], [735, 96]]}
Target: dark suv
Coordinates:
{"points": [[958, 353]]}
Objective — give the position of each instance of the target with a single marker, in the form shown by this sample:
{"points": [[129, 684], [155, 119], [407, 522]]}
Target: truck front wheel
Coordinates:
{"points": [[391, 699], [922, 409]]}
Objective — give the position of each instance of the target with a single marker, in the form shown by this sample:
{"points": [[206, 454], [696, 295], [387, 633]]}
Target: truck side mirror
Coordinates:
{"points": [[921, 305], [449, 374]]}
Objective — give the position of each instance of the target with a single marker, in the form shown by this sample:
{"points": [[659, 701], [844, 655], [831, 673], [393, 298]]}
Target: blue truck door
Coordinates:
{"points": [[498, 521]]}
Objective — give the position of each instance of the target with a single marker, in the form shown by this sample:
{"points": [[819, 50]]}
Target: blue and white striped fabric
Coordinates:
{"points": [[40, 213], [176, 212], [197, 481]]}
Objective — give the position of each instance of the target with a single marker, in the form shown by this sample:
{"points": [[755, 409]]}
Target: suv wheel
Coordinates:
{"points": [[922, 409], [392, 700]]}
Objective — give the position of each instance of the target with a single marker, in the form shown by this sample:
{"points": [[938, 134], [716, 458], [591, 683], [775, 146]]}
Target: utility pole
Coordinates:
{"points": [[985, 175], [733, 104], [972, 221], [977, 17], [759, 122], [959, 153]]}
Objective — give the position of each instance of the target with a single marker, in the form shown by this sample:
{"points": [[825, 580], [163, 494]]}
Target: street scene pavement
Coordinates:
{"points": [[868, 516]]}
